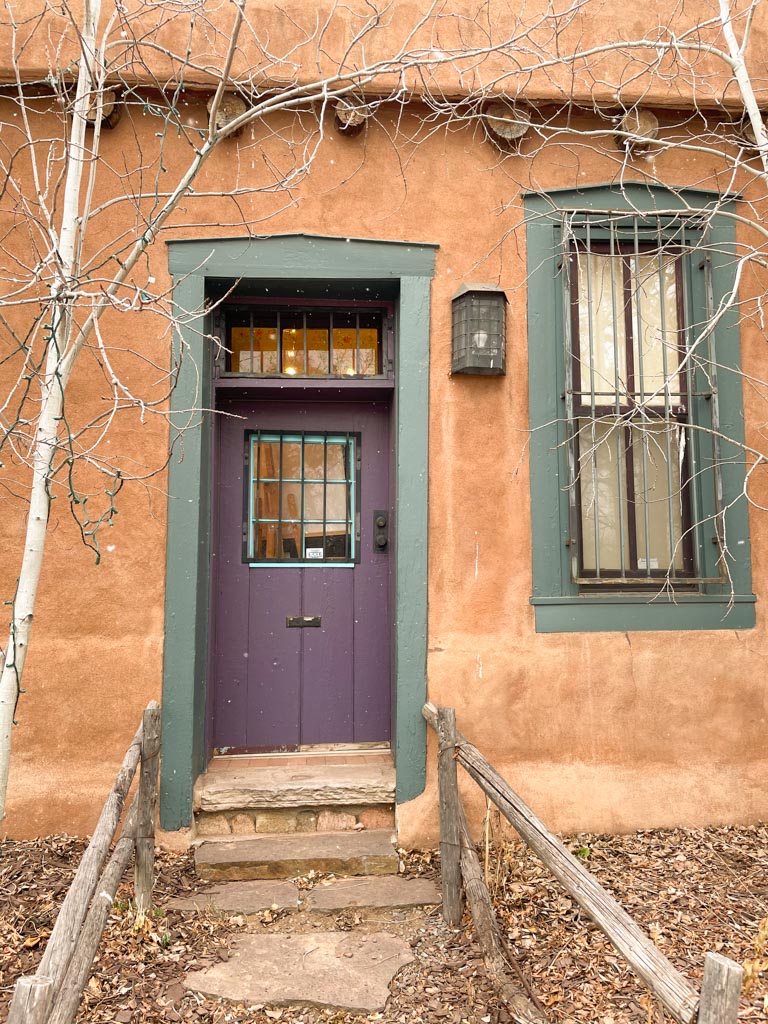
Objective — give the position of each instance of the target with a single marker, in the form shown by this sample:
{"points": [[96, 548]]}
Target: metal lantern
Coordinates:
{"points": [[479, 330]]}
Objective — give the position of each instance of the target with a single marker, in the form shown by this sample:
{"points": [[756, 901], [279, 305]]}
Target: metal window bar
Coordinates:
{"points": [[638, 345], [302, 505], [349, 474], [569, 270], [325, 497], [357, 341], [628, 241], [255, 505], [668, 412], [304, 333], [593, 418], [280, 362], [620, 430], [691, 449], [330, 342], [709, 299]]}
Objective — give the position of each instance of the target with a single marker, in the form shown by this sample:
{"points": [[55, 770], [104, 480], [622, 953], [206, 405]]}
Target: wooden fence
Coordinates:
{"points": [[52, 995], [716, 1003]]}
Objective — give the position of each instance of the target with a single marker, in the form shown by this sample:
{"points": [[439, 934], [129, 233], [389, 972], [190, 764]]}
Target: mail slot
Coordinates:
{"points": [[302, 621]]}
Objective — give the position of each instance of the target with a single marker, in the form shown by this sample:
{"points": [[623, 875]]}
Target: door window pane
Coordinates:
{"points": [[303, 492]]}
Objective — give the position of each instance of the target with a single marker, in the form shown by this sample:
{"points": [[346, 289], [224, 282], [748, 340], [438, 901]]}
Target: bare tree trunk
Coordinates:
{"points": [[744, 82], [54, 382]]}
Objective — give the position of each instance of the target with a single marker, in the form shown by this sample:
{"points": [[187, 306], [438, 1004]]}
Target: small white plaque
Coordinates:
{"points": [[641, 563], [313, 553]]}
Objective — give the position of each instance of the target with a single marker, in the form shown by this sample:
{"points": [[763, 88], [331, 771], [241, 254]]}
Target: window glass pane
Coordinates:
{"points": [[657, 497], [291, 541], [313, 501], [269, 498], [337, 464], [291, 502], [602, 335], [297, 515], [336, 502], [317, 343], [292, 331], [344, 342], [264, 359], [266, 540], [655, 328], [239, 359], [291, 460], [369, 352], [603, 490], [314, 468]]}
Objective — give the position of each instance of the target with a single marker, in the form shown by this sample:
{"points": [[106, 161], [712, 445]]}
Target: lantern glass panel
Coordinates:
{"points": [[479, 332]]}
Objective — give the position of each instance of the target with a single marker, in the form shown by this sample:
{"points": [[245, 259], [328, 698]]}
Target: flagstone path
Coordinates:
{"points": [[309, 961]]}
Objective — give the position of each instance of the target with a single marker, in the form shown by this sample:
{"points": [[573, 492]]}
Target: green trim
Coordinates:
{"points": [[185, 662], [301, 257], [185, 652], [411, 460], [621, 613], [559, 605]]}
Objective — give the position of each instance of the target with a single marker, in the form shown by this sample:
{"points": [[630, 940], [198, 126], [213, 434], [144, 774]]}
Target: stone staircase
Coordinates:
{"points": [[282, 816]]}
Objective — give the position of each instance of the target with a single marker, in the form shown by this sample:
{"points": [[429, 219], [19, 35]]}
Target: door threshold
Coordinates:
{"points": [[305, 750]]}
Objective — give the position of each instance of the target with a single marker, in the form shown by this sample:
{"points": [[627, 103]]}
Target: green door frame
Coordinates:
{"points": [[187, 587]]}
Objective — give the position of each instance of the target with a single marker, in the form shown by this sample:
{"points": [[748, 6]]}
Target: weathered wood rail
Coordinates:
{"points": [[718, 1000], [52, 995]]}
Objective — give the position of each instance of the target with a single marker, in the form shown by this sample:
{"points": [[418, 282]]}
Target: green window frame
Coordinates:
{"points": [[714, 590]]}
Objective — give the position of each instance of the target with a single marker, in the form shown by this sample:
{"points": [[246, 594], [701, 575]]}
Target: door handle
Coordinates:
{"points": [[302, 621]]}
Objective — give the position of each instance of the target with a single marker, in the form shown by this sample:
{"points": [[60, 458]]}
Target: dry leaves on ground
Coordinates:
{"points": [[692, 890]]}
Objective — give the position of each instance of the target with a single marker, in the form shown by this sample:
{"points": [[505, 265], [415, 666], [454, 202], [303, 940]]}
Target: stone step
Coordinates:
{"points": [[343, 970], [246, 821], [292, 856], [300, 786], [330, 894]]}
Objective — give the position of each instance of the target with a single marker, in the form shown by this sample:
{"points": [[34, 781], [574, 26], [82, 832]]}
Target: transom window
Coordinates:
{"points": [[312, 342], [629, 411], [302, 498]]}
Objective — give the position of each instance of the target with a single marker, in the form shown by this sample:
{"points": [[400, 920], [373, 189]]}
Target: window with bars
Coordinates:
{"points": [[273, 341], [637, 464], [302, 498], [631, 368]]}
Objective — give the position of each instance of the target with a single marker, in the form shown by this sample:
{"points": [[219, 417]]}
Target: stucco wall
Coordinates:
{"points": [[610, 731]]}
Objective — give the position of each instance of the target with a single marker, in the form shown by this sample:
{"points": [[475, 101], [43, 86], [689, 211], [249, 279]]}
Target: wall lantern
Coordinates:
{"points": [[479, 330]]}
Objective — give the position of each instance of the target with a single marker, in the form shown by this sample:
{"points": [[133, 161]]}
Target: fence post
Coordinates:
{"points": [[145, 826], [450, 837], [720, 990], [31, 1000]]}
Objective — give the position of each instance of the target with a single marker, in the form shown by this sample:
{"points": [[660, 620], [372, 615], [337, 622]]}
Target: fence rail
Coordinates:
{"points": [[52, 995], [718, 1000]]}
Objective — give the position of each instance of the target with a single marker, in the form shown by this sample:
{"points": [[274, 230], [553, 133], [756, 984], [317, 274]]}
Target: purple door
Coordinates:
{"points": [[301, 637]]}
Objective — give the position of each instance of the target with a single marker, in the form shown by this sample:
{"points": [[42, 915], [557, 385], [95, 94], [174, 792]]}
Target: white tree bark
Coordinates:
{"points": [[744, 82], [58, 367]]}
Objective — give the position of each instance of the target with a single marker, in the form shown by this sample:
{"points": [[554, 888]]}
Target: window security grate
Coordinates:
{"points": [[640, 386], [301, 500]]}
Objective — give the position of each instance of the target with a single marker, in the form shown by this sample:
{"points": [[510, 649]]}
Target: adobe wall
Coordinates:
{"points": [[599, 731]]}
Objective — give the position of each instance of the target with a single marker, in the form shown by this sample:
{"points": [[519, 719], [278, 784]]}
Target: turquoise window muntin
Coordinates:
{"points": [[721, 597], [313, 490]]}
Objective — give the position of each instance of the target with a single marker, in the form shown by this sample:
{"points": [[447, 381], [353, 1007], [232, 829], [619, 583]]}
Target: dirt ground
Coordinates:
{"points": [[693, 890]]}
